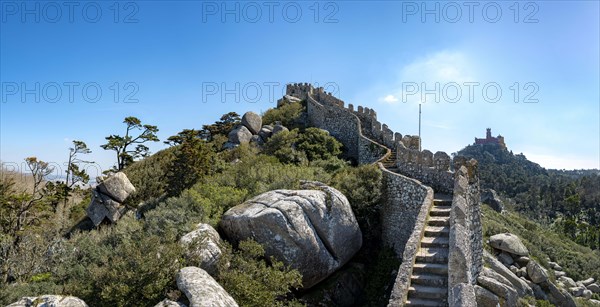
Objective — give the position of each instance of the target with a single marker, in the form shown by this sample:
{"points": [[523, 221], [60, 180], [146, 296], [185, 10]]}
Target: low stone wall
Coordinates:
{"points": [[342, 125], [346, 127], [431, 169], [369, 151], [404, 200], [466, 234], [406, 205]]}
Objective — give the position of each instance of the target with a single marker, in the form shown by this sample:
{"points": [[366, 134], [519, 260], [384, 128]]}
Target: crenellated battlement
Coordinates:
{"points": [[303, 90], [409, 180], [431, 169]]}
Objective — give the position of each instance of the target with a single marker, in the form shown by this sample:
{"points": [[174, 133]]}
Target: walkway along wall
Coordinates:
{"points": [[466, 234], [407, 194]]}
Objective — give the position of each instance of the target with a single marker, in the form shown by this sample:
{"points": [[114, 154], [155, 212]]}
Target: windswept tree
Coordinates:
{"points": [[194, 158], [222, 127], [74, 173], [22, 210], [123, 145]]}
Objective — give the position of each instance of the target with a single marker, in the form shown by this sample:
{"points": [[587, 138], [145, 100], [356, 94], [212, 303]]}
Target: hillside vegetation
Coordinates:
{"points": [[569, 201], [133, 262], [578, 261]]}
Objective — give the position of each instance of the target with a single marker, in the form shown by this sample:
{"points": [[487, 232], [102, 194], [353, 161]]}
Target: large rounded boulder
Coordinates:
{"points": [[203, 244], [509, 243], [50, 300], [252, 121], [240, 135], [312, 230], [202, 290]]}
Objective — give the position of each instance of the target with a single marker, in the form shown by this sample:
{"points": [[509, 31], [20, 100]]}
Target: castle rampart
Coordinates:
{"points": [[429, 168], [407, 193], [466, 234]]}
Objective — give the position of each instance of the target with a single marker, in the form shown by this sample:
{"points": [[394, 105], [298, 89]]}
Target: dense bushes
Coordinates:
{"points": [[252, 282], [288, 115], [361, 185], [149, 176], [545, 196], [118, 266], [302, 147], [134, 262]]}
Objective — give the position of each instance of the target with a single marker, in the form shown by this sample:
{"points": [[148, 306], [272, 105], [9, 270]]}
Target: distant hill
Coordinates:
{"points": [[567, 200]]}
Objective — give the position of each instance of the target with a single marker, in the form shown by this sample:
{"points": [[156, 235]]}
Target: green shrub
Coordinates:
{"points": [[361, 185], [283, 146], [13, 292], [301, 147], [288, 115], [221, 198], [317, 144], [259, 173], [120, 265], [177, 214], [253, 282], [41, 277], [149, 176]]}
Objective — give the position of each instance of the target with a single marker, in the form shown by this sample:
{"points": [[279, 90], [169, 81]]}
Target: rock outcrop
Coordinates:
{"points": [[521, 286], [279, 128], [251, 130], [490, 198], [528, 277], [169, 303], [203, 244], [49, 301], [312, 230], [536, 273], [202, 290], [509, 243], [108, 198], [240, 135], [252, 121]]}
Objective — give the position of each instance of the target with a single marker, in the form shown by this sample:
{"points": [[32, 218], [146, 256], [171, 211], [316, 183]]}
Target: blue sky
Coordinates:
{"points": [[165, 56]]}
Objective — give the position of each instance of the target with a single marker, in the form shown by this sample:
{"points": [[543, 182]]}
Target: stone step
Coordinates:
{"points": [[432, 255], [442, 202], [417, 291], [425, 302], [439, 221], [437, 231], [429, 280], [427, 242], [440, 211], [430, 268]]}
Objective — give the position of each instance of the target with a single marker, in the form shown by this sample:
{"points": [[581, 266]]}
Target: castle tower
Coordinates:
{"points": [[488, 133]]}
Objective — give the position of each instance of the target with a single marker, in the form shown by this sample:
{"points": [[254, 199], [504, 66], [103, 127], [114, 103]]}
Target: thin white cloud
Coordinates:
{"points": [[390, 99], [438, 125], [433, 73]]}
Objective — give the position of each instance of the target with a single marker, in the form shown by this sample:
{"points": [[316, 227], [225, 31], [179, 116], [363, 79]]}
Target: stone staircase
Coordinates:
{"points": [[390, 161], [429, 280]]}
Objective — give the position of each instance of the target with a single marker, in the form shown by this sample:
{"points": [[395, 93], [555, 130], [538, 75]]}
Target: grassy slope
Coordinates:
{"points": [[579, 262]]}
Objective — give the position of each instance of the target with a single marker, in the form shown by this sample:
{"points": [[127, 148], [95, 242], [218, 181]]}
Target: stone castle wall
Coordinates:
{"points": [[328, 112], [466, 233], [429, 168], [406, 203], [362, 140], [407, 194], [404, 200]]}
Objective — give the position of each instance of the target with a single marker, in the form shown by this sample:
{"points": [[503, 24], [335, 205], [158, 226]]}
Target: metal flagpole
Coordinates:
{"points": [[419, 127]]}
